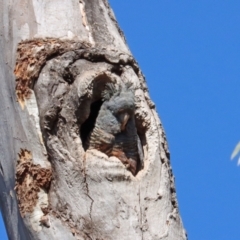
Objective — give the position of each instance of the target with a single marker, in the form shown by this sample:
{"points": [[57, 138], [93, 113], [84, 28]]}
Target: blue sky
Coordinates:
{"points": [[189, 53]]}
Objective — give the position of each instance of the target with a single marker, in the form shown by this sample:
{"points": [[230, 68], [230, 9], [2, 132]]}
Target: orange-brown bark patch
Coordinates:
{"points": [[30, 178], [32, 55]]}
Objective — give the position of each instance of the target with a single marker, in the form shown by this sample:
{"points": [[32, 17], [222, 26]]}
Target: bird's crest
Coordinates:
{"points": [[111, 90]]}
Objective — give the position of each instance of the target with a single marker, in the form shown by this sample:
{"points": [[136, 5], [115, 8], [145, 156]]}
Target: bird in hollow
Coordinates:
{"points": [[114, 132]]}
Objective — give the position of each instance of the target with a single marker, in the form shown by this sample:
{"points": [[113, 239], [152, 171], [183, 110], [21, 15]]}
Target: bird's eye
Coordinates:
{"points": [[120, 111]]}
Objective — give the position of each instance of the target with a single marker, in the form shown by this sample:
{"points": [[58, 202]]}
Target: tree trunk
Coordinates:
{"points": [[83, 152]]}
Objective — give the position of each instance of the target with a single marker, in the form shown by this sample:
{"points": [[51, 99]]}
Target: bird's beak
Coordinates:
{"points": [[124, 120]]}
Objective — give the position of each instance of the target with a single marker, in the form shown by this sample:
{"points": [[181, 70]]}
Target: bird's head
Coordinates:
{"points": [[120, 102]]}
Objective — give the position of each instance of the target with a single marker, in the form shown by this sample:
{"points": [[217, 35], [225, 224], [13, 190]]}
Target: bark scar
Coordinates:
{"points": [[30, 179], [32, 55], [85, 21]]}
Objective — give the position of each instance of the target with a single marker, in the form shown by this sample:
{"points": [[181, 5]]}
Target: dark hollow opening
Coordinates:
{"points": [[88, 125], [141, 153]]}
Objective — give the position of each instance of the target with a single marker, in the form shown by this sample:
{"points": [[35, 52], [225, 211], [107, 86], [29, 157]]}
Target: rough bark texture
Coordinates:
{"points": [[83, 152]]}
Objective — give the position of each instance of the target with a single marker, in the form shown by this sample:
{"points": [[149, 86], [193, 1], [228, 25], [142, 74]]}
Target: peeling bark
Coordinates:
{"points": [[30, 180], [90, 156], [31, 56]]}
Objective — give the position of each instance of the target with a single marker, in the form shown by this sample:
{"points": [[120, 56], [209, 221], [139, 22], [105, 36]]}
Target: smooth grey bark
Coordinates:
{"points": [[57, 58]]}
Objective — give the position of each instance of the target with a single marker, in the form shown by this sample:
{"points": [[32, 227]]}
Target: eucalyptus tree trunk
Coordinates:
{"points": [[83, 154]]}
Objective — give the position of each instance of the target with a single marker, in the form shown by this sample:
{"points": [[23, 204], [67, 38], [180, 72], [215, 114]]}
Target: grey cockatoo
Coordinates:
{"points": [[114, 132]]}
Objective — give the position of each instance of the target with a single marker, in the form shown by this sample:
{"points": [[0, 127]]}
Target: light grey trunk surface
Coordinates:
{"points": [[83, 154]]}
